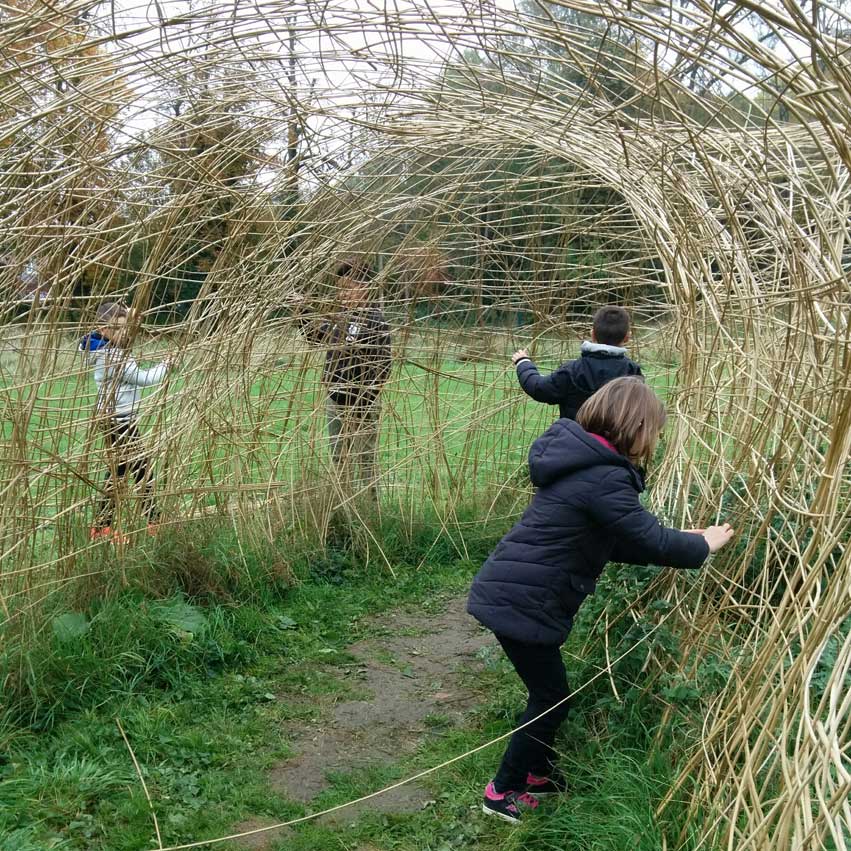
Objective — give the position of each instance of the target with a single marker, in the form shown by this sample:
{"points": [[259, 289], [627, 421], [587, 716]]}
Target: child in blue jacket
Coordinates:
{"points": [[119, 381], [584, 514]]}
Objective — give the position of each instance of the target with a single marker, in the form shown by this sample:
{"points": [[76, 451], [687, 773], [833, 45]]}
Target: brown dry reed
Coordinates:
{"points": [[512, 168]]}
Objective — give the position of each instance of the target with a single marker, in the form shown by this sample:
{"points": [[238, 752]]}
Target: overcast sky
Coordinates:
{"points": [[345, 54], [355, 52]]}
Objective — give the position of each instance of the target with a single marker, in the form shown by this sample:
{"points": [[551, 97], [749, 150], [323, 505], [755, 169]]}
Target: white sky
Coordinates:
{"points": [[335, 56], [345, 58]]}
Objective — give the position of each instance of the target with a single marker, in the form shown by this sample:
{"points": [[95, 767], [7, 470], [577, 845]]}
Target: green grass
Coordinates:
{"points": [[467, 420], [205, 643], [202, 684], [452, 433]]}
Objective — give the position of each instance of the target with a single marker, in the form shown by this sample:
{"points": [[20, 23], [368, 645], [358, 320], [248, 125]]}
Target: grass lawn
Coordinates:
{"points": [[468, 420], [249, 426], [211, 690]]}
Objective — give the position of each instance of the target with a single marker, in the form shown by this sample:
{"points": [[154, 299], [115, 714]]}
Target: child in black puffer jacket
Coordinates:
{"points": [[584, 514], [601, 359]]}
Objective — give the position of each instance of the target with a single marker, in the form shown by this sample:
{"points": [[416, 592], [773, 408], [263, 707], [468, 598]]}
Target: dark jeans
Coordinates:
{"points": [[531, 749], [125, 454]]}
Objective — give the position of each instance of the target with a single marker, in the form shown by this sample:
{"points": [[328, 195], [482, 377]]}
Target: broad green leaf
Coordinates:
{"points": [[181, 615], [70, 625]]}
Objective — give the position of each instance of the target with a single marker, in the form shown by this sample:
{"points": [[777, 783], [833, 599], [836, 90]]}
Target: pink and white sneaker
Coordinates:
{"points": [[506, 805], [544, 787]]}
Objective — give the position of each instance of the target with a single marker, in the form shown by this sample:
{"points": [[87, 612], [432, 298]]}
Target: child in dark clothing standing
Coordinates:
{"points": [[357, 366], [584, 514], [602, 359]]}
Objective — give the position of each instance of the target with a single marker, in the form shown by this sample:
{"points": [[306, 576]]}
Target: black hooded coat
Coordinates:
{"points": [[584, 514], [577, 380]]}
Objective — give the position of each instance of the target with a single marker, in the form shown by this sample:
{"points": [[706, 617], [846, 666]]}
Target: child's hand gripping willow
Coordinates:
{"points": [[585, 513]]}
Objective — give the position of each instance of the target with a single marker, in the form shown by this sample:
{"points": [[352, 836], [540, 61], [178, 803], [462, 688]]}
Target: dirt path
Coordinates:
{"points": [[411, 671]]}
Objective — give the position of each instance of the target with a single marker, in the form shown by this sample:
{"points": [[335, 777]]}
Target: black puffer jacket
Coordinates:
{"points": [[585, 513], [577, 380]]}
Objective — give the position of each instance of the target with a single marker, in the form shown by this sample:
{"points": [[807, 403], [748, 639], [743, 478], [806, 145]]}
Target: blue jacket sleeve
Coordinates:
{"points": [[551, 389], [638, 535]]}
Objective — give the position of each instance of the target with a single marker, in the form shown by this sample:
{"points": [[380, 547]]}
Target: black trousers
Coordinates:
{"points": [[531, 749], [125, 454]]}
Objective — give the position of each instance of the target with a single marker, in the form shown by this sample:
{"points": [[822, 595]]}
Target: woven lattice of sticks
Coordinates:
{"points": [[504, 171]]}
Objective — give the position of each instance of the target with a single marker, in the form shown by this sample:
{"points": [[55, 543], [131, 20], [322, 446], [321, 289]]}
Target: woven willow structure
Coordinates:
{"points": [[506, 171]]}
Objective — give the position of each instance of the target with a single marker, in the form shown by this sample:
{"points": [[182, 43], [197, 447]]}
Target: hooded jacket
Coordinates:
{"points": [[577, 380], [118, 378], [584, 514]]}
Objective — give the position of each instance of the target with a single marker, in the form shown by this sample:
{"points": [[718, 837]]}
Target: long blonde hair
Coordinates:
{"points": [[628, 414]]}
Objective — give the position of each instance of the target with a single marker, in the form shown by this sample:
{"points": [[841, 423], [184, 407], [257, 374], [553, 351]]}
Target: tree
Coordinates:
{"points": [[208, 157], [63, 94]]}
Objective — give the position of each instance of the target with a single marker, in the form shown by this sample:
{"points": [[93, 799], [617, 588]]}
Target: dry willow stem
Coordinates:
{"points": [[513, 168]]}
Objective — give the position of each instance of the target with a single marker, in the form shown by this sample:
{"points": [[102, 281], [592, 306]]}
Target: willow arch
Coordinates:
{"points": [[748, 223]]}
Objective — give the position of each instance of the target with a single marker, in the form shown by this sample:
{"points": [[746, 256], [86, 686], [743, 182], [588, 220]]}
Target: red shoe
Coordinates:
{"points": [[107, 533]]}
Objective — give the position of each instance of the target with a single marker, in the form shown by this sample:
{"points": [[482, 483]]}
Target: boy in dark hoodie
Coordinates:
{"points": [[601, 359], [584, 514]]}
